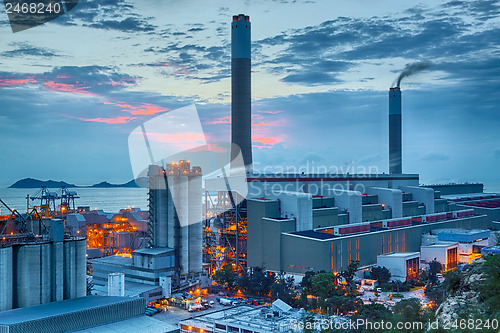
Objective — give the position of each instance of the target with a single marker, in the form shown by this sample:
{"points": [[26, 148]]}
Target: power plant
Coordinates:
{"points": [[292, 222]]}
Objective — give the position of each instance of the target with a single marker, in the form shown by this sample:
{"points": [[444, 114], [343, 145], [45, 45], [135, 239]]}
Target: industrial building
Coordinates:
{"points": [[445, 253], [469, 242], [110, 233], [403, 266], [174, 230], [38, 269], [245, 319], [328, 241]]}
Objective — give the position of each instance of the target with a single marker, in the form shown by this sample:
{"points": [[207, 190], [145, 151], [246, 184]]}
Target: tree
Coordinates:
{"points": [[306, 280], [256, 281], [374, 312], [225, 276], [452, 281], [408, 310], [282, 288], [350, 272], [381, 274], [322, 285], [489, 290], [435, 267]]}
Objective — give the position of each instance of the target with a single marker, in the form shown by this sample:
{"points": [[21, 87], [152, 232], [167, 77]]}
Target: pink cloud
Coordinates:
{"points": [[64, 87], [270, 112], [143, 109], [15, 82], [223, 120]]}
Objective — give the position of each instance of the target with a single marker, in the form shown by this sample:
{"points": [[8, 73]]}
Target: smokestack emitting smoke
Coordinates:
{"points": [[411, 69], [395, 133], [241, 117]]}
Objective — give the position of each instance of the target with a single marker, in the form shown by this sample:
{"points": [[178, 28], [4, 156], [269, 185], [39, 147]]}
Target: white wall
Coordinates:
{"points": [[350, 201], [391, 198], [423, 195], [296, 205]]}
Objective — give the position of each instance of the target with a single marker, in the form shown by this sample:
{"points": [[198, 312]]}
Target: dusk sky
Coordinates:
{"points": [[73, 89]]}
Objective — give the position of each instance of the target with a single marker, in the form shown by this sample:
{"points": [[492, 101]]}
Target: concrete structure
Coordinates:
{"points": [[390, 198], [146, 266], [38, 270], [175, 214], [296, 206], [423, 195], [116, 284], [395, 132], [275, 244], [445, 253], [403, 266], [241, 113], [71, 314], [350, 202]]}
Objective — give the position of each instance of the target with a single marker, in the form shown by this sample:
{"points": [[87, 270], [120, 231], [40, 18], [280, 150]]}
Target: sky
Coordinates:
{"points": [[73, 89]]}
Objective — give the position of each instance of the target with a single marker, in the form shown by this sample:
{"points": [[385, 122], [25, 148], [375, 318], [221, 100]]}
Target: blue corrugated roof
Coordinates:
{"points": [[53, 309]]}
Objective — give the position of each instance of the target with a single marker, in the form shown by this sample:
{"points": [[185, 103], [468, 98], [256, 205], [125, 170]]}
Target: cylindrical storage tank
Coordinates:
{"points": [[6, 278], [69, 270], [195, 225], [57, 263], [75, 261], [81, 267], [33, 274]]}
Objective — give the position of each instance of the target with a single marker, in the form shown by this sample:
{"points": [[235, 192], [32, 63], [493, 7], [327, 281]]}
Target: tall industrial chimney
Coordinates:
{"points": [[241, 114], [395, 158]]}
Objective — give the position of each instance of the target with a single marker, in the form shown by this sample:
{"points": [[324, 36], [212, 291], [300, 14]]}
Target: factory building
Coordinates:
{"points": [[246, 319], [173, 259], [445, 253], [38, 269], [110, 233], [469, 243], [278, 241], [403, 266]]}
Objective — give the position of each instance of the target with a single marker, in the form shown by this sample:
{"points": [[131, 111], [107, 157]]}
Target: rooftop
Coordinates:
{"points": [[31, 313], [114, 260], [135, 324], [399, 254], [441, 244], [247, 317], [154, 250]]}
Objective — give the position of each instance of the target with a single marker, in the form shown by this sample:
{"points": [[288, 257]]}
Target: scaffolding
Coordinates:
{"points": [[224, 231]]}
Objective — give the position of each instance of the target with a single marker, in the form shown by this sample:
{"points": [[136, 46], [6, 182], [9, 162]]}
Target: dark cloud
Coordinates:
{"points": [[311, 78], [130, 24], [26, 49]]}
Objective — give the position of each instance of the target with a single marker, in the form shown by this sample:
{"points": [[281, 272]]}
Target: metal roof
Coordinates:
{"points": [[47, 310]]}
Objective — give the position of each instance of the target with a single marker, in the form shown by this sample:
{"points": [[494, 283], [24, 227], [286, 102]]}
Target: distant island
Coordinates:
{"points": [[36, 183]]}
